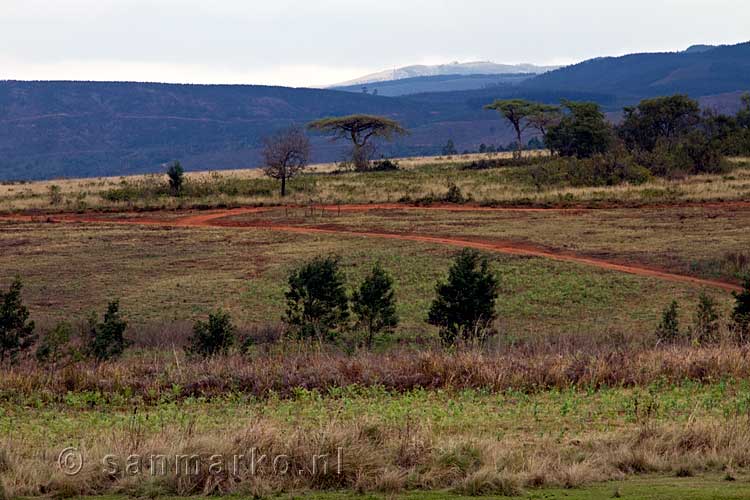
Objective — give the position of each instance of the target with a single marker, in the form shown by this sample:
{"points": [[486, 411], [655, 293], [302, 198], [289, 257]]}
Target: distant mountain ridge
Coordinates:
{"points": [[454, 68], [698, 72], [440, 83], [77, 129]]}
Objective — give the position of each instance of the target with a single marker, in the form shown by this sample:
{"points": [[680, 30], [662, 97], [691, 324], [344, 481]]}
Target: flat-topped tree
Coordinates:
{"points": [[359, 129], [517, 112]]}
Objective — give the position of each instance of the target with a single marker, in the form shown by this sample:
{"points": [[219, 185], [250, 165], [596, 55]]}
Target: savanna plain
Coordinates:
{"points": [[572, 391]]}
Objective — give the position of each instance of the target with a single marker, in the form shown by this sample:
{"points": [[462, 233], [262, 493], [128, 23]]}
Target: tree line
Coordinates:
{"points": [[319, 308]]}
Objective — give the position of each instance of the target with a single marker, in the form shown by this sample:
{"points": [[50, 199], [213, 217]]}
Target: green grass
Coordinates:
{"points": [[165, 275]]}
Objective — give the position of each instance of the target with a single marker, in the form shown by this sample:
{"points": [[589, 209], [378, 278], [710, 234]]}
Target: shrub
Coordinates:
{"points": [[706, 321], [375, 305], [317, 305], [55, 195], [609, 169], [454, 194], [668, 330], [212, 337], [106, 339], [54, 344], [16, 331], [385, 166], [741, 312], [176, 175], [465, 304]]}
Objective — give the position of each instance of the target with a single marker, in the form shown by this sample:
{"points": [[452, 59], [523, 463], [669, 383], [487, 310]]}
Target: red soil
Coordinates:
{"points": [[214, 218]]}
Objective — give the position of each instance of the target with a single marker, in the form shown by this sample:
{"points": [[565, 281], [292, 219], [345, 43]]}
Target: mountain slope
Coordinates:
{"points": [[632, 77], [454, 68], [67, 129]]}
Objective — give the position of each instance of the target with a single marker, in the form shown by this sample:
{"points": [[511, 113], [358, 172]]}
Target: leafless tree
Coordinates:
{"points": [[285, 154]]}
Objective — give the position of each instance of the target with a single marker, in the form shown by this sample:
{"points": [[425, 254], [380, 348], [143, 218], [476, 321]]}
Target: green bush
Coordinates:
{"points": [[375, 305], [212, 337], [669, 329], [582, 132], [464, 307], [54, 345], [317, 304], [610, 169], [16, 331], [106, 339], [706, 321]]}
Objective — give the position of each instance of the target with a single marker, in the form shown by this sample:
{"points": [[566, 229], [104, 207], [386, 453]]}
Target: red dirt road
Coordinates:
{"points": [[214, 218]]}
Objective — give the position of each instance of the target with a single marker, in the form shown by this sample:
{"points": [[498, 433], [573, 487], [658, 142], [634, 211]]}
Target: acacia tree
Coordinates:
{"points": [[517, 112], [285, 154], [359, 129], [544, 116]]}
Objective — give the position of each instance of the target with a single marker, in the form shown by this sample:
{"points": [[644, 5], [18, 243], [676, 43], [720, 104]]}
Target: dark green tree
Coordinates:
{"points": [[107, 339], [16, 331], [360, 129], [176, 175], [464, 307], [316, 302], [663, 119], [741, 311], [212, 337], [375, 304], [706, 320], [669, 328], [583, 131]]}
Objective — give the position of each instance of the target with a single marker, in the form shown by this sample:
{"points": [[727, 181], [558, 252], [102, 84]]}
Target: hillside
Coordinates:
{"points": [[699, 71], [73, 129]]}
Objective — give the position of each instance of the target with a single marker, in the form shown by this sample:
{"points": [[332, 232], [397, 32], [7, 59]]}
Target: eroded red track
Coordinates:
{"points": [[220, 218]]}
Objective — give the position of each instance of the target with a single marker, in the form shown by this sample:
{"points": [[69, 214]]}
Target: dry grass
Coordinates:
{"points": [[282, 369], [419, 178], [373, 457]]}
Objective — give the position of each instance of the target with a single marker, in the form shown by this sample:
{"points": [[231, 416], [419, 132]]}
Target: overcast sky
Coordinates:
{"points": [[319, 42]]}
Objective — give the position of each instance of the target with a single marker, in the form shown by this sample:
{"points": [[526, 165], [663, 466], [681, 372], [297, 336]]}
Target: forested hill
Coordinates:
{"points": [[711, 70], [50, 129]]}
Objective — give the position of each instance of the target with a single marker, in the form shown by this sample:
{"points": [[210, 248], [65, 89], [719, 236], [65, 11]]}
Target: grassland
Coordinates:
{"points": [[467, 442], [418, 179], [573, 399], [178, 275]]}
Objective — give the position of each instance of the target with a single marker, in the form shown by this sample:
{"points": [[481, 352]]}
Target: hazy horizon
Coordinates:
{"points": [[294, 43]]}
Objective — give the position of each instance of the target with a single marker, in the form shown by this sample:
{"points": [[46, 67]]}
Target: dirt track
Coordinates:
{"points": [[216, 218]]}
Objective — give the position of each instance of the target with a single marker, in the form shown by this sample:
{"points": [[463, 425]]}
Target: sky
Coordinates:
{"points": [[322, 42]]}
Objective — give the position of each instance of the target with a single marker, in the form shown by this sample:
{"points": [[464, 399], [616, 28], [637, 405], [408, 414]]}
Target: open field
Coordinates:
{"points": [[179, 274], [573, 399]]}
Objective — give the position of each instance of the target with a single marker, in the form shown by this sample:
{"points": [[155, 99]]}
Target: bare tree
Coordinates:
{"points": [[359, 129], [285, 154]]}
